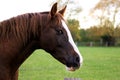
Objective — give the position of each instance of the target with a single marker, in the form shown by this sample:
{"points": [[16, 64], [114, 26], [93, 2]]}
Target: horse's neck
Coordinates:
{"points": [[14, 51], [12, 55], [26, 49], [24, 54]]}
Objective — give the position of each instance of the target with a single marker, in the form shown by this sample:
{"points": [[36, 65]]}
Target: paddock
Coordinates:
{"points": [[100, 63]]}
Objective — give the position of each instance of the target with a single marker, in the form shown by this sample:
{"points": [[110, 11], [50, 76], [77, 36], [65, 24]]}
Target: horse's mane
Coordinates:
{"points": [[21, 25]]}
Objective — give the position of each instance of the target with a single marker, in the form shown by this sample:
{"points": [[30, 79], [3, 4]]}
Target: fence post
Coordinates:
{"points": [[91, 44]]}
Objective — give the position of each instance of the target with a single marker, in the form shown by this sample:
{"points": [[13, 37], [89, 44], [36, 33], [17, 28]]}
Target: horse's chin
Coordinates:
{"points": [[71, 68]]}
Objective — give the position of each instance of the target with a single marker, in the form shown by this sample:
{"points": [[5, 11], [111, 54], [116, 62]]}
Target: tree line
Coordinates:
{"points": [[106, 34]]}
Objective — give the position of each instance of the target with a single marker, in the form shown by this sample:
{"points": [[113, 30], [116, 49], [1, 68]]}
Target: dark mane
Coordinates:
{"points": [[45, 12], [20, 26]]}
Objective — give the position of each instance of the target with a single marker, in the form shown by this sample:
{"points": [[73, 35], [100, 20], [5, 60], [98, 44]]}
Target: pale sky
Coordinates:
{"points": [[85, 19], [10, 8]]}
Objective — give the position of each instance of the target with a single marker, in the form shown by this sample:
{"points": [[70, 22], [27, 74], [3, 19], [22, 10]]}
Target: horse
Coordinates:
{"points": [[23, 34]]}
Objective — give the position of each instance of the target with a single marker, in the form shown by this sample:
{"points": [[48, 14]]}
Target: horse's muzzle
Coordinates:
{"points": [[73, 64]]}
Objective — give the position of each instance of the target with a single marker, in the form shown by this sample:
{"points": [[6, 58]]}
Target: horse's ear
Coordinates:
{"points": [[63, 10], [54, 9]]}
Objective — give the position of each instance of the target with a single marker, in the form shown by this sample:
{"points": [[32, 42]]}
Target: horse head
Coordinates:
{"points": [[56, 39]]}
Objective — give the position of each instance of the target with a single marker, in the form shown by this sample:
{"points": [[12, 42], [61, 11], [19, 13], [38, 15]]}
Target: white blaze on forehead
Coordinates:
{"points": [[71, 40]]}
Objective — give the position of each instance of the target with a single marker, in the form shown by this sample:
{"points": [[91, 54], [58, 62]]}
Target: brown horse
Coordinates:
{"points": [[21, 35]]}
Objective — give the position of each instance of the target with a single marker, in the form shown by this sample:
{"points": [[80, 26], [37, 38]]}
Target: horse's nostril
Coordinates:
{"points": [[77, 59], [76, 62]]}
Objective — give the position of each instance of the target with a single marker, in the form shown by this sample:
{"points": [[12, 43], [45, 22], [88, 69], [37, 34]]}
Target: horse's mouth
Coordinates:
{"points": [[71, 68]]}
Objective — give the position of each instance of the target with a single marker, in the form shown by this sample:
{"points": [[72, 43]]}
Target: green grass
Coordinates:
{"points": [[100, 63]]}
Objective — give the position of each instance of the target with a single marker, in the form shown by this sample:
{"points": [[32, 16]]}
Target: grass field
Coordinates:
{"points": [[100, 63]]}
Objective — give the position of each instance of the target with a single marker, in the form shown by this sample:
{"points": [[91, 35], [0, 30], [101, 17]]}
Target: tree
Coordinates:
{"points": [[94, 33], [117, 35], [117, 31], [83, 35], [108, 8], [108, 33], [74, 28]]}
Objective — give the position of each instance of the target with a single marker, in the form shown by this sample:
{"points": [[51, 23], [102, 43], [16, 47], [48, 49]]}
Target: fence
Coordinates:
{"points": [[92, 43]]}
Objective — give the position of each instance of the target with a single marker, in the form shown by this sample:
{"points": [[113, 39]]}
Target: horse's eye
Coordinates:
{"points": [[59, 32]]}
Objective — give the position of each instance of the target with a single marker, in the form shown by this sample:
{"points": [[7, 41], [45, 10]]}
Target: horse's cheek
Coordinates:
{"points": [[48, 41]]}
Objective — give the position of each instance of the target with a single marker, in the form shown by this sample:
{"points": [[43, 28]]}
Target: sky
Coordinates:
{"points": [[11, 8], [85, 19]]}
